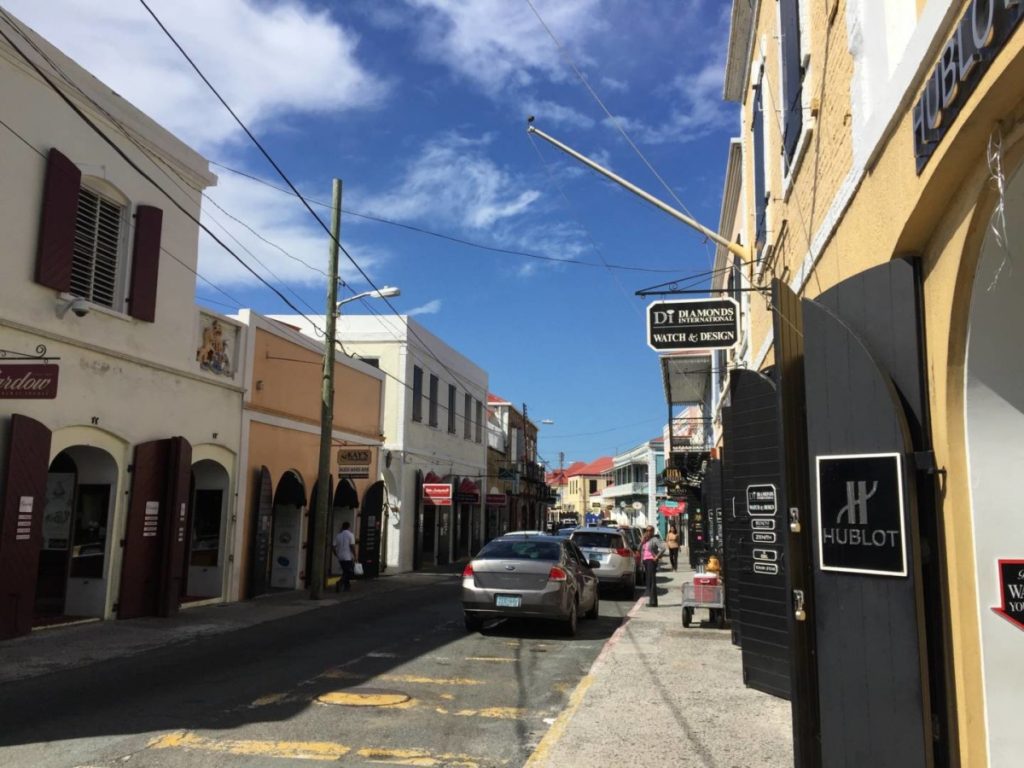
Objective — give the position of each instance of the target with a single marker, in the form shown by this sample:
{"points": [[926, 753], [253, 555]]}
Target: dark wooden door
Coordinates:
{"points": [[178, 493], [147, 528], [370, 522], [734, 529], [259, 536], [755, 525], [21, 522]]}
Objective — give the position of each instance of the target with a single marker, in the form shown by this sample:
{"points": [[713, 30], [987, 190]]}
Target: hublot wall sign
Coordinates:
{"points": [[979, 36], [860, 514], [692, 324]]}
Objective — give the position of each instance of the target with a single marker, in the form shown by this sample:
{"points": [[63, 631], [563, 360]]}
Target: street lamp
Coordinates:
{"points": [[378, 293]]}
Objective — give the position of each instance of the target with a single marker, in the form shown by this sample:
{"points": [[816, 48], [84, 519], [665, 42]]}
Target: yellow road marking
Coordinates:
{"points": [[354, 699], [494, 713], [418, 757], [297, 750], [491, 658], [431, 680], [270, 698], [555, 732]]}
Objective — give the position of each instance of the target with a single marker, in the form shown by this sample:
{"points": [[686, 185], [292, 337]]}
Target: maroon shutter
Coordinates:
{"points": [[57, 223], [145, 263], [145, 533], [21, 522], [259, 537], [179, 481]]}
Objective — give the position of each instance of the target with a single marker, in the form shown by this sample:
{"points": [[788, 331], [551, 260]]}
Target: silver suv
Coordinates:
{"points": [[609, 548]]}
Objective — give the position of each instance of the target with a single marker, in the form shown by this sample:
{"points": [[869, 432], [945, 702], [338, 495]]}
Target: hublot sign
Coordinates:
{"points": [[860, 514], [980, 34]]}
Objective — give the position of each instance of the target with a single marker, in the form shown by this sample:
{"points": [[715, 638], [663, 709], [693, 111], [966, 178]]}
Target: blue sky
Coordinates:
{"points": [[420, 107]]}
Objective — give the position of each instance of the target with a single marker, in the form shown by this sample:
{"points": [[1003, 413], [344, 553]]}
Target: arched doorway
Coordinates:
{"points": [[74, 564], [994, 411], [288, 534], [344, 509], [204, 566]]}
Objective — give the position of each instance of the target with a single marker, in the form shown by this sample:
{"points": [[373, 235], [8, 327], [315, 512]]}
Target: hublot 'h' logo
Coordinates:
{"points": [[856, 509]]}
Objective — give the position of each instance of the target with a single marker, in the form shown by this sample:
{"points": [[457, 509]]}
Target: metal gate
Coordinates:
{"points": [[881, 674], [754, 524], [21, 522]]}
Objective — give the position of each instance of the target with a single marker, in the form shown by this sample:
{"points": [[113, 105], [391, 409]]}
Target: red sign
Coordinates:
{"points": [[28, 381], [496, 499], [1011, 590], [438, 494]]}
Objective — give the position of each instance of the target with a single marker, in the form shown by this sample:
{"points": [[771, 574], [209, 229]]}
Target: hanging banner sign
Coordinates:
{"points": [[860, 514], [693, 324], [1011, 591], [438, 494], [354, 462], [28, 381]]}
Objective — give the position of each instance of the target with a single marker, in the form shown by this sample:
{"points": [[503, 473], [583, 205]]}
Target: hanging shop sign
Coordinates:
{"points": [[1011, 591], [354, 462], [860, 514], [982, 32], [28, 381], [692, 324], [497, 499], [468, 492], [438, 494]]}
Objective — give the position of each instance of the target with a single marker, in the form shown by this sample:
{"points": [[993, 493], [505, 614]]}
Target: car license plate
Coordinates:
{"points": [[508, 601], [596, 556]]}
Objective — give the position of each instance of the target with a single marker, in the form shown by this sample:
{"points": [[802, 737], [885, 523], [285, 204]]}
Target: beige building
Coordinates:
{"points": [[585, 485], [878, 177]]}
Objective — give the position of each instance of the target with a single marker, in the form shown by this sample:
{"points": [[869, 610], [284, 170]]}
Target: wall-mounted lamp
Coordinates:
{"points": [[259, 385], [79, 306]]}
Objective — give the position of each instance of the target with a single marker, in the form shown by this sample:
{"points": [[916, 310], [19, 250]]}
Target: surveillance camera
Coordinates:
{"points": [[80, 307]]}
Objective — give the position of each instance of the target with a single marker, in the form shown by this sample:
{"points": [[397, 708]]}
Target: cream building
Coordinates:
{"points": [[882, 147], [119, 468]]}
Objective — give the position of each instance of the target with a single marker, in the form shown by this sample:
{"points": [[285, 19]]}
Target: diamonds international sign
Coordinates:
{"points": [[693, 324]]}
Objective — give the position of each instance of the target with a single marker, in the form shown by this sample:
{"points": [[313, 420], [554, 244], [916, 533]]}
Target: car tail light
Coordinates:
{"points": [[467, 572], [623, 552], [556, 574]]}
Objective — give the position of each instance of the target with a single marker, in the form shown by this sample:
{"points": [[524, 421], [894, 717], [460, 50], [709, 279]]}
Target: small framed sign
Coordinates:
{"points": [[860, 514], [1011, 591]]}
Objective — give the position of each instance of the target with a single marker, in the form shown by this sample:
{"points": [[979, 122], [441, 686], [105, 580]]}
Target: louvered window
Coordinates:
{"points": [[95, 271]]}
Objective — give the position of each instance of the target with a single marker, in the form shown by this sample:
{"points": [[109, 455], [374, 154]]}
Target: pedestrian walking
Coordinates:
{"points": [[673, 547], [650, 551], [345, 551]]}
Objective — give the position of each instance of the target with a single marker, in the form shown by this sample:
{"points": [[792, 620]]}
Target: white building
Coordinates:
{"points": [[434, 432], [635, 490], [116, 393]]}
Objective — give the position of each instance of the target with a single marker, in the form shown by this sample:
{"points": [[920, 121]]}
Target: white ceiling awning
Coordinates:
{"points": [[687, 377]]}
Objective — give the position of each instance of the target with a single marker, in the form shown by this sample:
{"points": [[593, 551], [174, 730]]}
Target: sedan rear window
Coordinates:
{"points": [[520, 550], [594, 539]]}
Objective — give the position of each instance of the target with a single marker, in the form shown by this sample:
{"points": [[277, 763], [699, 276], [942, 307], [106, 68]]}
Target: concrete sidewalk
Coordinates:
{"points": [[661, 695], [61, 647]]}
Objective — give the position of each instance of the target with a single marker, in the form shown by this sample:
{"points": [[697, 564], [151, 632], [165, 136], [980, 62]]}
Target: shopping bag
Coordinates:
{"points": [[358, 570]]}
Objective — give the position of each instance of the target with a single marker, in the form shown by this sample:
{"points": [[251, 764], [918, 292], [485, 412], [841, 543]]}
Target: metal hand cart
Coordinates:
{"points": [[710, 596]]}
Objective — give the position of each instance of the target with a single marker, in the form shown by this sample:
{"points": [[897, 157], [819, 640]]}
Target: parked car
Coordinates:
{"points": [[564, 533], [633, 537], [530, 575], [616, 563]]}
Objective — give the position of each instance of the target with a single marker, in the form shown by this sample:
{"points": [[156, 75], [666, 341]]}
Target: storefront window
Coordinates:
{"points": [[90, 531]]}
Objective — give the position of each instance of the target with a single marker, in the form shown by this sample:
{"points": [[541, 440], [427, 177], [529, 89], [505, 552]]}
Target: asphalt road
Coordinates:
{"points": [[392, 679]]}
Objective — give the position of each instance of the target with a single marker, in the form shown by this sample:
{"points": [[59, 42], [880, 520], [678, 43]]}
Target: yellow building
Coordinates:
{"points": [[877, 177]]}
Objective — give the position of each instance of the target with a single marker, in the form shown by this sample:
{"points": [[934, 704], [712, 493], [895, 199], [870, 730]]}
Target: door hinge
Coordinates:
{"points": [[794, 519], [924, 461], [115, 607], [121, 543]]}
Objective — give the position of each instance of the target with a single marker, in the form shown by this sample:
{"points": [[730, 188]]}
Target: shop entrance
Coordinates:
{"points": [[288, 532], [994, 414], [205, 574], [343, 510], [74, 558]]}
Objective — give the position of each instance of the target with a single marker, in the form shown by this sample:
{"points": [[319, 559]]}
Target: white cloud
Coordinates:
{"points": [[267, 61], [550, 112], [699, 110], [613, 85], [452, 181], [430, 308], [292, 233], [496, 43]]}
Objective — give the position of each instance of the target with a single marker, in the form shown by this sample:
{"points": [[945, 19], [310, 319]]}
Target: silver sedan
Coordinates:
{"points": [[529, 575]]}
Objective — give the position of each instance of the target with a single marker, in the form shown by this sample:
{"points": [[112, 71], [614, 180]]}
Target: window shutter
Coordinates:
{"points": [[757, 129], [792, 77], [145, 263], [57, 223]]}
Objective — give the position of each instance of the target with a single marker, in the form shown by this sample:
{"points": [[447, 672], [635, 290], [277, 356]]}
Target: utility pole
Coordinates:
{"points": [[323, 493]]}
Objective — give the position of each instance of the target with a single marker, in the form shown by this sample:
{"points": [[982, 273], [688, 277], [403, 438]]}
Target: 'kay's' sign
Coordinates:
{"points": [[693, 324], [860, 514], [978, 37], [1011, 590], [28, 381]]}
